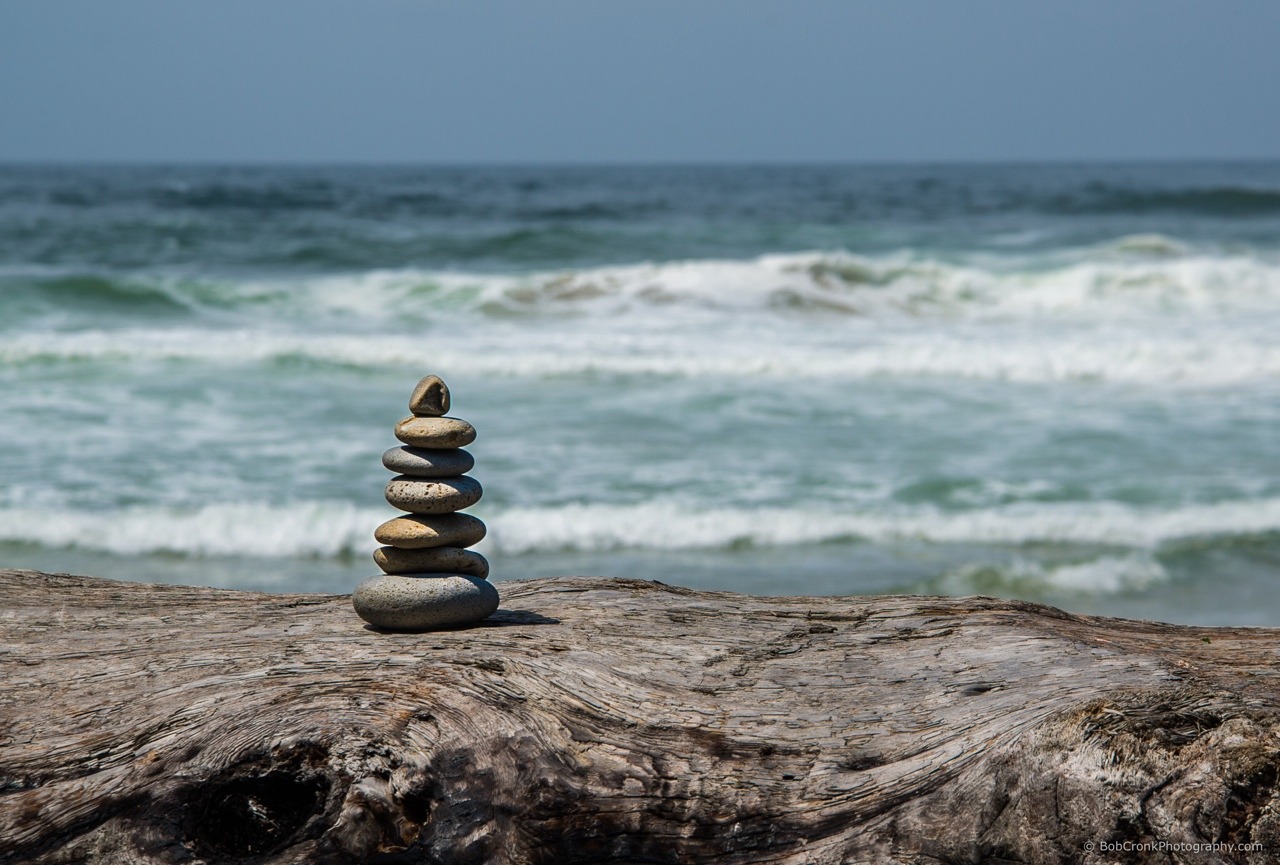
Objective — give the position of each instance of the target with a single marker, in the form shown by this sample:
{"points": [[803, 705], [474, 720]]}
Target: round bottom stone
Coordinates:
{"points": [[424, 602]]}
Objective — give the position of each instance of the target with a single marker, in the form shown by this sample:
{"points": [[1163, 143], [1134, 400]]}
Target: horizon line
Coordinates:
{"points": [[959, 162]]}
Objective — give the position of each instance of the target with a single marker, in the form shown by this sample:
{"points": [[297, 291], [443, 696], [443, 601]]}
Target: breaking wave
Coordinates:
{"points": [[1103, 575], [664, 525], [1142, 274], [1207, 359], [317, 529], [1136, 311], [333, 528]]}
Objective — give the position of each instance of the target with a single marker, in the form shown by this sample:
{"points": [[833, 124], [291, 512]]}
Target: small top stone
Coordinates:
{"points": [[430, 398]]}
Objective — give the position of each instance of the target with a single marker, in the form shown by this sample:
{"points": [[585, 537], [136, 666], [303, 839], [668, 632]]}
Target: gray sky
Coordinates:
{"points": [[649, 80]]}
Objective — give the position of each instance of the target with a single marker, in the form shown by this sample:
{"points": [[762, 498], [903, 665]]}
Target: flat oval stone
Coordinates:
{"points": [[435, 432], [440, 496], [430, 398], [428, 462], [438, 560], [417, 532], [424, 603]]}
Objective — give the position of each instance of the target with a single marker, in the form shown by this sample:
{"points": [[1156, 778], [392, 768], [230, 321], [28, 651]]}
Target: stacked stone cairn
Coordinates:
{"points": [[429, 580]]}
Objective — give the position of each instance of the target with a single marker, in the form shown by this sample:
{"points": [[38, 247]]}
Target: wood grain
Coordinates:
{"points": [[612, 721]]}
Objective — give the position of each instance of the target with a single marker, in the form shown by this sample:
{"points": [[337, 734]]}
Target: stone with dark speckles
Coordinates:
{"points": [[438, 496]]}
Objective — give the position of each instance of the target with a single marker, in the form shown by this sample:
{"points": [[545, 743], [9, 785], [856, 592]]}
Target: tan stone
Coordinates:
{"points": [[412, 532], [435, 432]]}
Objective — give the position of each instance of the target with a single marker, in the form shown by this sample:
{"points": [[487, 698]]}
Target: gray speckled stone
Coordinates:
{"points": [[440, 560], [419, 532], [423, 603], [428, 462], [440, 496], [430, 398], [435, 432]]}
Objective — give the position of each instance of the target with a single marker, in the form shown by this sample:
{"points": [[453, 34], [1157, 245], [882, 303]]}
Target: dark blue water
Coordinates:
{"points": [[317, 219]]}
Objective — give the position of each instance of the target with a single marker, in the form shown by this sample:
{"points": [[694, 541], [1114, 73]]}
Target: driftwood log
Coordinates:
{"points": [[612, 721]]}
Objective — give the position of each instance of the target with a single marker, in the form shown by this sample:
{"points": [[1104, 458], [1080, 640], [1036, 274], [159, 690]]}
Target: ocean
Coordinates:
{"points": [[1051, 382]]}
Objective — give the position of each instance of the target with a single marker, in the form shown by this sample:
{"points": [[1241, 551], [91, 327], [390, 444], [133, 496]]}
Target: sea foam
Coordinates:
{"points": [[1111, 315], [320, 529], [334, 528], [1101, 575], [1209, 357], [1138, 274], [658, 524]]}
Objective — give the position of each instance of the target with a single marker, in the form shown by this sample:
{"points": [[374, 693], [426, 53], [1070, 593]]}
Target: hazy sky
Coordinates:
{"points": [[648, 80]]}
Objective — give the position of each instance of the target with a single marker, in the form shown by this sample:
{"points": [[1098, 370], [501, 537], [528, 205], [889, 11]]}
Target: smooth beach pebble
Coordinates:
{"points": [[430, 398], [441, 496], [435, 432], [407, 603], [437, 560], [428, 462], [418, 532]]}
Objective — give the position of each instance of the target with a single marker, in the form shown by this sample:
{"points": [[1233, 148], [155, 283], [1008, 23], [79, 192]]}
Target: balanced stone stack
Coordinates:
{"points": [[430, 580]]}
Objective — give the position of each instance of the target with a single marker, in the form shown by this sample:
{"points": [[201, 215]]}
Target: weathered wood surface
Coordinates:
{"points": [[610, 721]]}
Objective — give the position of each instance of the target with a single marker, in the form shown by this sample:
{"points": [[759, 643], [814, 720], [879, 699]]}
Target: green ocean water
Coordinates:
{"points": [[1051, 382]]}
